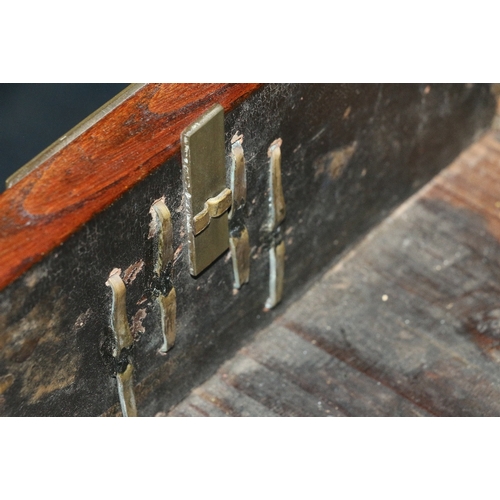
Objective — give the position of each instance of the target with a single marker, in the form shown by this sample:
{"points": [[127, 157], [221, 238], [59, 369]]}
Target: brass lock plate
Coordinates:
{"points": [[207, 199]]}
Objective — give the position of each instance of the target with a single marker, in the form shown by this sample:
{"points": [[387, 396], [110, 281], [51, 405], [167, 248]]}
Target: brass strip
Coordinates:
{"points": [[165, 236], [124, 339], [277, 212], [239, 240], [201, 221], [276, 274], [204, 178], [214, 207], [168, 308], [238, 174], [126, 392], [219, 204], [276, 200], [119, 320], [240, 253], [168, 303]]}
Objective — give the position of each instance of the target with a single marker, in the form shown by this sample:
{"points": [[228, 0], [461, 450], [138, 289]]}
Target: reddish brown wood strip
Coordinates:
{"points": [[53, 201]]}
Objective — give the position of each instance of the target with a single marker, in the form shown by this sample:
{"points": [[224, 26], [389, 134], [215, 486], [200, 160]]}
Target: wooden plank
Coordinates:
{"points": [[279, 394], [279, 368], [326, 377], [69, 185], [437, 267], [217, 398]]}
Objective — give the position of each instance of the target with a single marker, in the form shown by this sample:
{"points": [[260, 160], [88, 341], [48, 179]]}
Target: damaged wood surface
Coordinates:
{"points": [[73, 183], [406, 324]]}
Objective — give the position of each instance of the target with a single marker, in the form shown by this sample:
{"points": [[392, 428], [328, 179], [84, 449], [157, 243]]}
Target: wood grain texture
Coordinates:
{"points": [[406, 324], [53, 201]]}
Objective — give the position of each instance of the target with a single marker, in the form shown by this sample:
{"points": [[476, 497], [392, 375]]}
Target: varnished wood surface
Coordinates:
{"points": [[102, 162], [406, 324]]}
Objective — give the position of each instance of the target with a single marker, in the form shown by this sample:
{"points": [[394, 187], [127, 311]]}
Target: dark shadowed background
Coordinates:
{"points": [[33, 116]]}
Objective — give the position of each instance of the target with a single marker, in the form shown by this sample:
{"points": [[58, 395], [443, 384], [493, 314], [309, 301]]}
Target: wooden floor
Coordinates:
{"points": [[406, 324]]}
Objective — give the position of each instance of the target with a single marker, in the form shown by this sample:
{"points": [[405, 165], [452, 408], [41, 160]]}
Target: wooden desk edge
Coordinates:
{"points": [[81, 174]]}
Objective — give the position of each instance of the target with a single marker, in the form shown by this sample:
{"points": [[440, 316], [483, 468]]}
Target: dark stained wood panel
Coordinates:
{"points": [[120, 149], [406, 324]]}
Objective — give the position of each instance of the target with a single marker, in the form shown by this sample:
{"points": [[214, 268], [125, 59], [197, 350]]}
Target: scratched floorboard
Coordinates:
{"points": [[406, 324]]}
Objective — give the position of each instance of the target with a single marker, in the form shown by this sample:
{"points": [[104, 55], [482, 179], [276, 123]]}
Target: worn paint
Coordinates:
{"points": [[335, 162], [136, 328], [42, 341], [132, 271], [6, 381]]}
